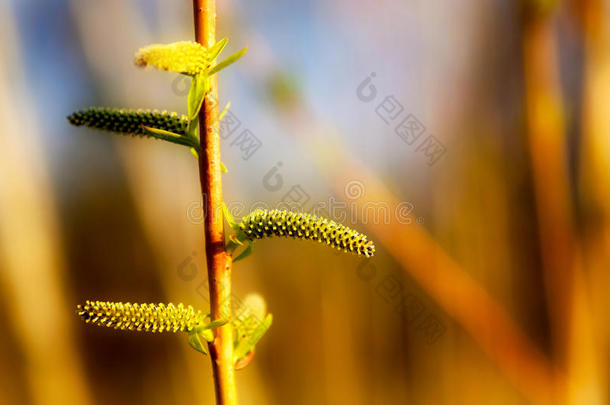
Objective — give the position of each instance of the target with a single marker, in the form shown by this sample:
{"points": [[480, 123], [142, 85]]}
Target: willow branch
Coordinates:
{"points": [[218, 262]]}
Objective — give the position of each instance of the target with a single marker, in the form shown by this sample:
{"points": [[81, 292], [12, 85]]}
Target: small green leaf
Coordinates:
{"points": [[160, 132], [233, 244], [215, 49], [236, 240], [224, 111], [208, 335], [223, 168], [169, 136], [191, 129], [247, 252], [200, 85], [229, 61], [246, 344], [230, 220], [216, 324], [196, 343], [250, 323], [195, 153]]}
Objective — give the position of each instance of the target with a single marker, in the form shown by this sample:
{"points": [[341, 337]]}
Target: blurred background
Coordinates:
{"points": [[469, 139]]}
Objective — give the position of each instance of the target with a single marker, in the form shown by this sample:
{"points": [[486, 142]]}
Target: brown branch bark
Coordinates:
{"points": [[218, 262]]}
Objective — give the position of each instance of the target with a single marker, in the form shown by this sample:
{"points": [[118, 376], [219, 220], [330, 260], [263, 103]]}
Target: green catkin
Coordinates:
{"points": [[264, 223], [129, 121], [141, 317]]}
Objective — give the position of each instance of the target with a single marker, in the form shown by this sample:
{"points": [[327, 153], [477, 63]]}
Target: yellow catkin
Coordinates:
{"points": [[141, 317], [265, 223], [180, 57]]}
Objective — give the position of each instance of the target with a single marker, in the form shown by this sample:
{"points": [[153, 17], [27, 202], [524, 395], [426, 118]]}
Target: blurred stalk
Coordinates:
{"points": [[595, 197], [30, 250], [548, 154], [340, 363], [566, 289]]}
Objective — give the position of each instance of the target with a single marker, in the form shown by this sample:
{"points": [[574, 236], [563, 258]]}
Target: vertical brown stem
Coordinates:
{"points": [[218, 262]]}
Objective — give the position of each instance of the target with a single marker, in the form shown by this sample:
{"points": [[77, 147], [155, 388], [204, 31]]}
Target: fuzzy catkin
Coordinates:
{"points": [[140, 317], [264, 223], [181, 57], [129, 121]]}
